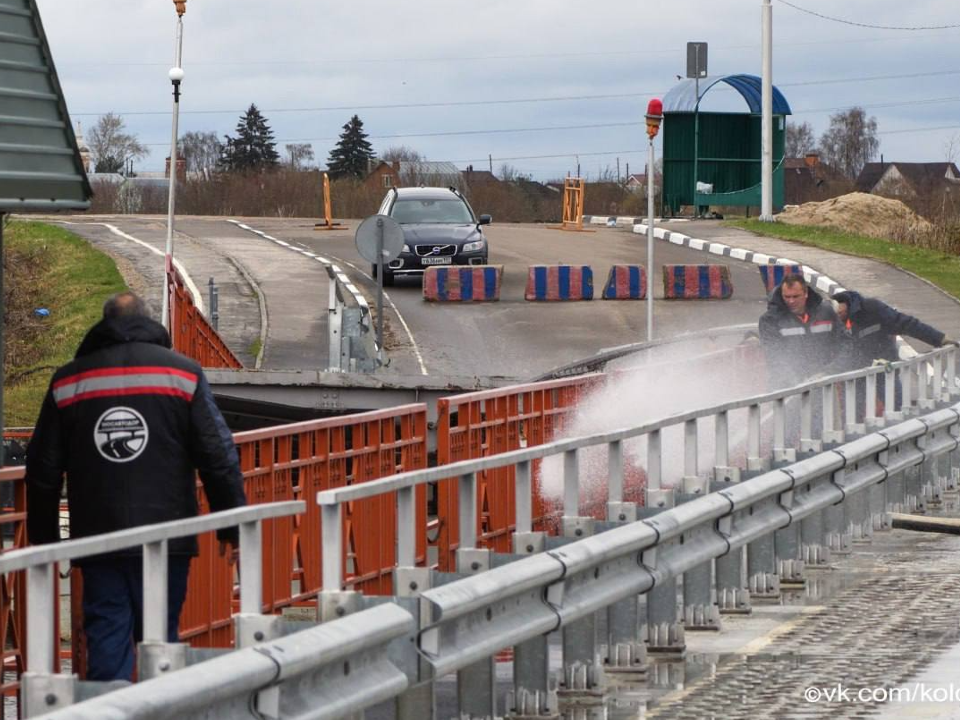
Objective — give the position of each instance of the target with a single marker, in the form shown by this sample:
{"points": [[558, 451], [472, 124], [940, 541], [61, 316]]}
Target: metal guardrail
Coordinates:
{"points": [[328, 671], [352, 341], [922, 388], [465, 622], [42, 689]]}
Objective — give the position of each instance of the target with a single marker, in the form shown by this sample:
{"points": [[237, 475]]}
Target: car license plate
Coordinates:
{"points": [[446, 260]]}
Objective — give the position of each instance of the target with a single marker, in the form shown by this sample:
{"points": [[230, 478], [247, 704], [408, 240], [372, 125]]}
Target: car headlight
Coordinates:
{"points": [[406, 248], [472, 246]]}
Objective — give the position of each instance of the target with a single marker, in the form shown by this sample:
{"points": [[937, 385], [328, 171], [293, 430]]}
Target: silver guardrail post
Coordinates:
{"points": [[582, 673], [732, 593], [700, 612], [156, 655], [534, 692], [41, 690], [477, 683], [626, 652], [334, 322]]}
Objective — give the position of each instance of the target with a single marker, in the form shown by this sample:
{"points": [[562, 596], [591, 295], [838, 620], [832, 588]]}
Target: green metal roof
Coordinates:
{"points": [[40, 165]]}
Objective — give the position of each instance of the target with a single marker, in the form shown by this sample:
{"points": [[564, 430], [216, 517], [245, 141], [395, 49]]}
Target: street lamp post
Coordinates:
{"points": [[766, 116], [176, 77], [654, 116]]}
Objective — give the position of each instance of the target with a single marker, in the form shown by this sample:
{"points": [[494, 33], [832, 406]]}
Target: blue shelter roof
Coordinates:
{"points": [[682, 97]]}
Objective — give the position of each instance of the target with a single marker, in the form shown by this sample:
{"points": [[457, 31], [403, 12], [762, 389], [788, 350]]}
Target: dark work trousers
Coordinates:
{"points": [[113, 612]]}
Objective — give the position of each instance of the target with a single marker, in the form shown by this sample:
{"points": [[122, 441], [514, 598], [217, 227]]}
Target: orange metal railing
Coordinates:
{"points": [[490, 422], [296, 461], [13, 587], [192, 335]]}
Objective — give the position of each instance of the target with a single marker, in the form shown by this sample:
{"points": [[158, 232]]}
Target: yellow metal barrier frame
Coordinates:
{"points": [[574, 190]]}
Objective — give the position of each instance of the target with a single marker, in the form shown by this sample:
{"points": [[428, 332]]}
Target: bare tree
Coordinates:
{"points": [[111, 147], [201, 151], [300, 155], [951, 148], [401, 153], [850, 142], [799, 140]]}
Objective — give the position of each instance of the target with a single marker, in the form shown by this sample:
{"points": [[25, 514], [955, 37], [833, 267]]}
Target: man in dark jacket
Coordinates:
{"points": [[798, 332], [870, 328], [128, 422]]}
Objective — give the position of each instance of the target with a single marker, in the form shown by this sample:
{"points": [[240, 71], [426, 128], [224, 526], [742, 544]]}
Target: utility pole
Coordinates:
{"points": [[490, 158], [766, 170], [176, 77], [654, 117]]}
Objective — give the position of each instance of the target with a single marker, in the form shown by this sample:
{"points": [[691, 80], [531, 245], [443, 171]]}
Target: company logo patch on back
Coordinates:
{"points": [[121, 434]]}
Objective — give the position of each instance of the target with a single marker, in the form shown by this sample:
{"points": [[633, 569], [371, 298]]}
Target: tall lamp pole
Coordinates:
{"points": [[176, 77], [766, 104], [654, 116]]}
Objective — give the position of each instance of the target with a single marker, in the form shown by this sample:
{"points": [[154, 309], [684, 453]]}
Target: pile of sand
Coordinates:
{"points": [[862, 214]]}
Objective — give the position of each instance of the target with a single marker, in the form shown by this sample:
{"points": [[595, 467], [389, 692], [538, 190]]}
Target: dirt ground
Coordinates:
{"points": [[862, 214]]}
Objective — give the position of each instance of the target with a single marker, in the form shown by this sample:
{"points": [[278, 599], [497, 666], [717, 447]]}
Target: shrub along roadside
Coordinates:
{"points": [[47, 267], [941, 269]]}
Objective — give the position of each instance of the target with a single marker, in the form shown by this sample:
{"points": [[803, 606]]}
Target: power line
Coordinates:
{"points": [[477, 58], [595, 126], [511, 101], [396, 106], [867, 25]]}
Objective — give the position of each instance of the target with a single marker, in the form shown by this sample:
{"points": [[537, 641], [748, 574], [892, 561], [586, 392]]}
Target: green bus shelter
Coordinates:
{"points": [[714, 158]]}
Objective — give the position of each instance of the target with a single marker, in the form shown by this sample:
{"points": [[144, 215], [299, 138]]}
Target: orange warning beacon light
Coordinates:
{"points": [[654, 117]]}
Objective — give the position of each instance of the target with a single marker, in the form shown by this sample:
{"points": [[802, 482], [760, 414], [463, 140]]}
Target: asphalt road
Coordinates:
{"points": [[271, 286], [513, 337]]}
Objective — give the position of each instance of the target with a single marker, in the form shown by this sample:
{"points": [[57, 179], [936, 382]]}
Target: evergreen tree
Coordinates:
{"points": [[254, 148], [352, 154]]}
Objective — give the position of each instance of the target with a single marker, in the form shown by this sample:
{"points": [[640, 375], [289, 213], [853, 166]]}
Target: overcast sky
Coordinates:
{"points": [[498, 77]]}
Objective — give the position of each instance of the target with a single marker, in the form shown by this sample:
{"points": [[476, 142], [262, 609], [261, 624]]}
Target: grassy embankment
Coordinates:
{"points": [[47, 267], [940, 269]]}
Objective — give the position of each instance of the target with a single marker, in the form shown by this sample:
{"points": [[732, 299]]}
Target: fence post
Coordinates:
{"points": [[156, 656], [334, 322], [214, 304]]}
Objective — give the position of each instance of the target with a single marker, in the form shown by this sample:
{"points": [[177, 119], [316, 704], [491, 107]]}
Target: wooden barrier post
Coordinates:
{"points": [[328, 223]]}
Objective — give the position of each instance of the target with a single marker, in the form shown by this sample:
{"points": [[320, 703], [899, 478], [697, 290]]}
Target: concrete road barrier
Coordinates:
{"points": [[462, 283], [697, 282], [772, 275], [559, 282], [626, 282]]}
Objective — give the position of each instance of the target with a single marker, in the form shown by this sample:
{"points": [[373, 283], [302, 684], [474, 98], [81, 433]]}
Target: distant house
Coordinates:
{"points": [[807, 179], [636, 182], [908, 180], [403, 173], [476, 178]]}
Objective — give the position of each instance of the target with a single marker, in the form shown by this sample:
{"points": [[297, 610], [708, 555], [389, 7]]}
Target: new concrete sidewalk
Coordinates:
{"points": [[905, 291]]}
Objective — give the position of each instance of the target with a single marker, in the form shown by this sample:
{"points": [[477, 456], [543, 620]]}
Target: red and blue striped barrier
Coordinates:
{"points": [[559, 282], [773, 275], [697, 282], [465, 283], [626, 282]]}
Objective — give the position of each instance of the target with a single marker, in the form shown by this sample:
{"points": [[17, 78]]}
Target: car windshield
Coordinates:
{"points": [[453, 211]]}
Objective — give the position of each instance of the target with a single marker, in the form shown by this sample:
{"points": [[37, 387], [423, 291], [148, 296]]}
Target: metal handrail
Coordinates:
{"points": [[474, 617], [330, 501], [413, 478], [40, 563], [123, 539]]}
